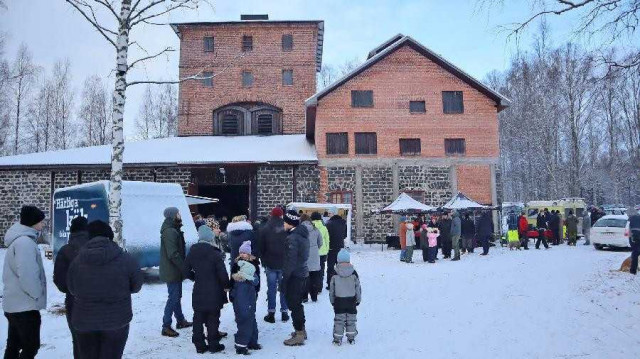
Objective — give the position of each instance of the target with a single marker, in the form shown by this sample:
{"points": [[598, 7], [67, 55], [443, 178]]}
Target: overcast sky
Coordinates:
{"points": [[456, 29]]}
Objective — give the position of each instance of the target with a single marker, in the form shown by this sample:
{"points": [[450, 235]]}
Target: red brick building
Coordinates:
{"points": [[406, 120]]}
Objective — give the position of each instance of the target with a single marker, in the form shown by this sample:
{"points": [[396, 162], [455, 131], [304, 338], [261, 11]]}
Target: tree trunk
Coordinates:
{"points": [[115, 190]]}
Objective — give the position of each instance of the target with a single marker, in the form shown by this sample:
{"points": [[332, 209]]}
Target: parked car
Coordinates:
{"points": [[611, 231]]}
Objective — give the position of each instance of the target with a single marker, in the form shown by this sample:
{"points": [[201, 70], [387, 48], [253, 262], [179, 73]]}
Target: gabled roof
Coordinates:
{"points": [[193, 150], [396, 43], [460, 201], [319, 23]]}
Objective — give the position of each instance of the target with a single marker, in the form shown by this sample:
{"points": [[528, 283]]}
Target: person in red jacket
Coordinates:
{"points": [[523, 228]]}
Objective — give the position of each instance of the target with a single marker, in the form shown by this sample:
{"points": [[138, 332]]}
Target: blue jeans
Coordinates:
{"points": [[173, 306], [274, 277], [403, 254]]}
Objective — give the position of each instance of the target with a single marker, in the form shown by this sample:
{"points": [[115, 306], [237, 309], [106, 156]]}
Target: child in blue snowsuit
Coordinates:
{"points": [[244, 295]]}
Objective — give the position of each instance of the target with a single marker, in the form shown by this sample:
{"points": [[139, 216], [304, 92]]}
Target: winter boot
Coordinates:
{"points": [[296, 339], [337, 342], [456, 258], [305, 333], [169, 332], [201, 348], [254, 347], [184, 324], [242, 350], [285, 317], [351, 341], [270, 318], [222, 334], [216, 348]]}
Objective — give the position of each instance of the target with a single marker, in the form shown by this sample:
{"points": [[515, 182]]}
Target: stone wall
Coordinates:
{"points": [[307, 183], [377, 192], [343, 179], [275, 187], [433, 181]]}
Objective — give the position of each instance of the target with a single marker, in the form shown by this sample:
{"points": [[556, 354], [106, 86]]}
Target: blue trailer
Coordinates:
{"points": [[143, 204]]}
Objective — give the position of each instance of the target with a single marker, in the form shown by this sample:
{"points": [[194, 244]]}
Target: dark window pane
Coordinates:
{"points": [[247, 78], [344, 197], [361, 98], [230, 125], [366, 143], [287, 42], [454, 146], [287, 77], [417, 107], [452, 102], [265, 124], [208, 44], [410, 146], [207, 79], [337, 143], [247, 43]]}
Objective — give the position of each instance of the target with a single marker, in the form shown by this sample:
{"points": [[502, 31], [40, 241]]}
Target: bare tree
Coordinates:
{"points": [[23, 75], [4, 99], [94, 116], [125, 16], [63, 125], [612, 19], [146, 115]]}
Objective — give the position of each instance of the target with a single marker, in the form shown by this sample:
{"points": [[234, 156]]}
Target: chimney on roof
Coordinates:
{"points": [[254, 17]]}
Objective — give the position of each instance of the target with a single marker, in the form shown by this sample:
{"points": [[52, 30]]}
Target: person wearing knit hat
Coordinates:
{"points": [[345, 295], [172, 256], [205, 266], [292, 219], [100, 229], [24, 284], [78, 237], [277, 212], [245, 248], [344, 256]]}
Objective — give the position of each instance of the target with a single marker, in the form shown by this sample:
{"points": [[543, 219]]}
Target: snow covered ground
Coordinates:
{"points": [[558, 303]]}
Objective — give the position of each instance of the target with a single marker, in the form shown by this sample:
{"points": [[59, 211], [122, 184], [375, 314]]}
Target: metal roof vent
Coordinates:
{"points": [[254, 17]]}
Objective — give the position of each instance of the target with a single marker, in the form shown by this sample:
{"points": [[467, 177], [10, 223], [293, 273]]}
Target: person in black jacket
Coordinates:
{"points": [[78, 237], [541, 225], [238, 232], [634, 238], [101, 280], [271, 239], [205, 266], [445, 235], [295, 274], [485, 231], [337, 228], [468, 233]]}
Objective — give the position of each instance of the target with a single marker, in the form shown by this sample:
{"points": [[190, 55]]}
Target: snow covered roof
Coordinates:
{"points": [[404, 204], [460, 201], [395, 43], [180, 150]]}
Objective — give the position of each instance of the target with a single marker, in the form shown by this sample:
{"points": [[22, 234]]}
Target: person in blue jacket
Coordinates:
{"points": [[243, 296]]}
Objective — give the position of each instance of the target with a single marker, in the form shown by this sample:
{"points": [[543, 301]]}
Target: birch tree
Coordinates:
{"points": [[114, 20], [23, 74], [64, 127]]}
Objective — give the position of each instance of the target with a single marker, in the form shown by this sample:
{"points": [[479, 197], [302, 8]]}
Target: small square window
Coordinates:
{"points": [[287, 42], [417, 107], [247, 78], [452, 102], [410, 147], [337, 143], [207, 79], [341, 197], [366, 143], [247, 43], [454, 146], [287, 77], [361, 98], [208, 44]]}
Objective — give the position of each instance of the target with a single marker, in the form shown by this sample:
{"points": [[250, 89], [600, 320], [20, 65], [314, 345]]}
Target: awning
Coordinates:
{"points": [[404, 204], [460, 201]]}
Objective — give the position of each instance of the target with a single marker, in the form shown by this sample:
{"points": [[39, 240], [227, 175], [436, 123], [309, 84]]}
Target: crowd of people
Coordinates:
{"points": [[450, 232], [98, 278]]}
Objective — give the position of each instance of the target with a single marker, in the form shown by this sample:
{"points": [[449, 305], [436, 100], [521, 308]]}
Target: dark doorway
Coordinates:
{"points": [[233, 200]]}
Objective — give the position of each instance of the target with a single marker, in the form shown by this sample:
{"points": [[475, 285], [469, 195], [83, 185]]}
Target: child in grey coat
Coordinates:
{"points": [[345, 295]]}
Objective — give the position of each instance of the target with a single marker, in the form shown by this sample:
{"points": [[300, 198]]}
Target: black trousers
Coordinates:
{"points": [[314, 285], [210, 319], [425, 252], [103, 344], [485, 244], [635, 252], [295, 290], [541, 238], [446, 247], [23, 338], [332, 259], [524, 240], [68, 303]]}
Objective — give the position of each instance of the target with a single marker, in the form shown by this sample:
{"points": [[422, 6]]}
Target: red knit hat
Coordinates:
{"points": [[277, 212]]}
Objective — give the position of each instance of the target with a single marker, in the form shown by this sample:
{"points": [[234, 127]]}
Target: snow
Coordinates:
{"points": [[559, 303], [182, 150]]}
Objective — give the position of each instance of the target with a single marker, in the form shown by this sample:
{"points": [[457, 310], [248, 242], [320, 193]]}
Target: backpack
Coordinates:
{"points": [[512, 221]]}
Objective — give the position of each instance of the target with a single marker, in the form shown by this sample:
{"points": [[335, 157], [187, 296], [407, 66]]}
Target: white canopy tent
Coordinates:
{"points": [[460, 201], [404, 204], [344, 210]]}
